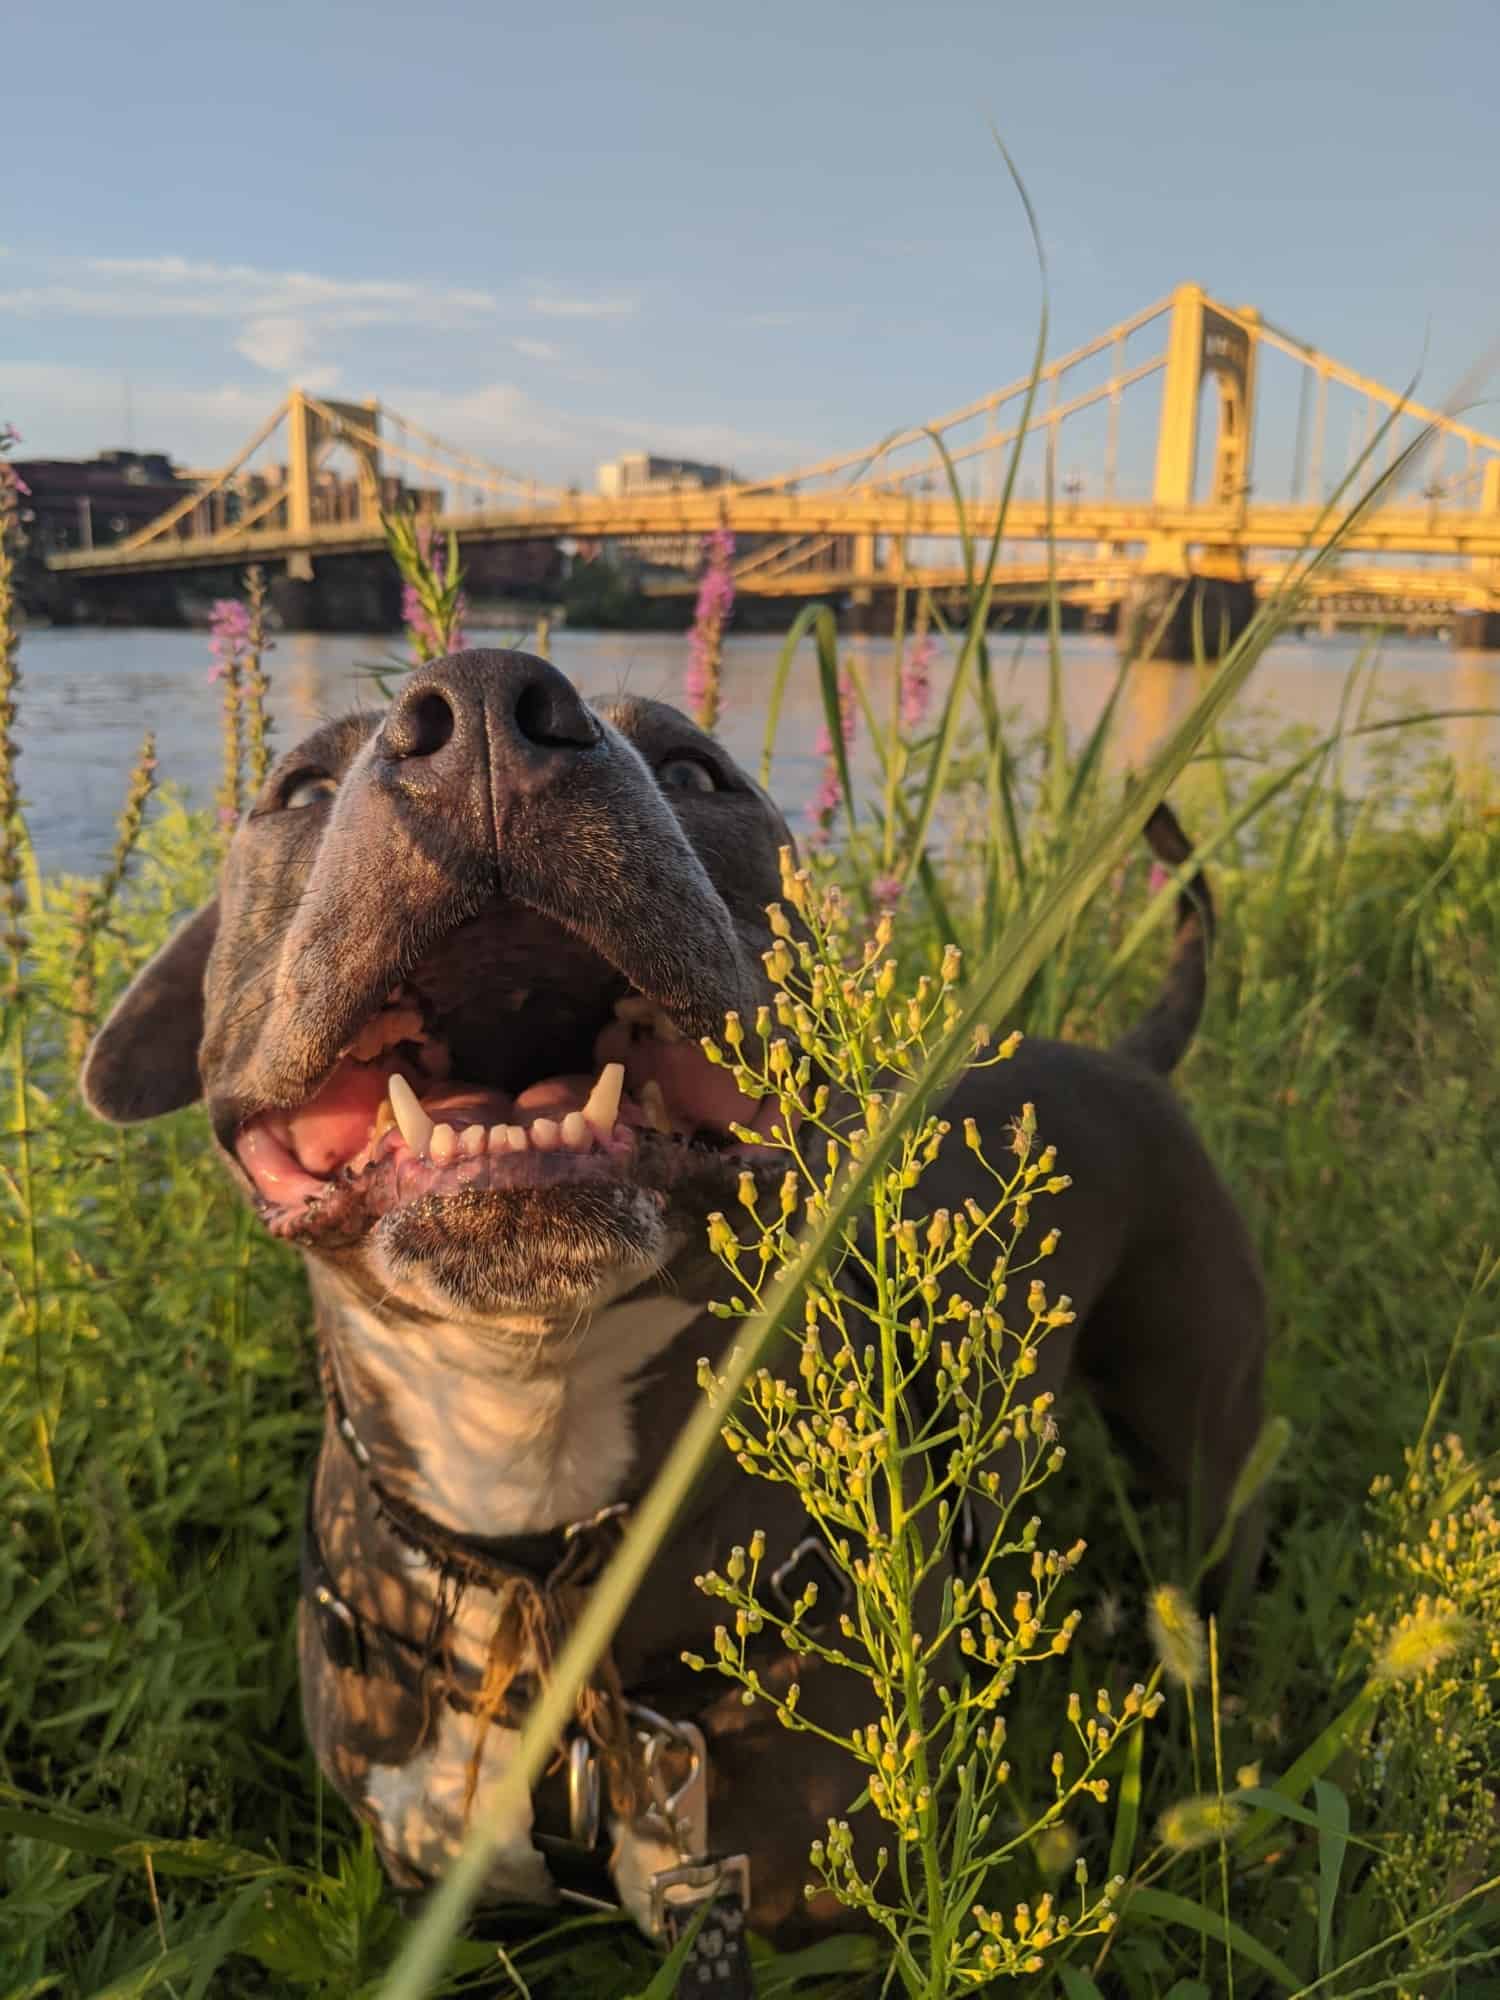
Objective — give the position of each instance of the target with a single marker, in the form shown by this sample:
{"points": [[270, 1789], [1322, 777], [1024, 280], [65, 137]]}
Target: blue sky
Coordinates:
{"points": [[557, 231]]}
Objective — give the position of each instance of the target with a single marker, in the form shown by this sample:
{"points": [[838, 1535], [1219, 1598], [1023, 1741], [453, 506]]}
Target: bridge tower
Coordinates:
{"points": [[1184, 582], [1477, 627], [313, 424]]}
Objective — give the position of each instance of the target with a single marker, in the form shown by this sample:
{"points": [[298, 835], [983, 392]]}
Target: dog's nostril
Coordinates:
{"points": [[420, 728], [548, 713]]}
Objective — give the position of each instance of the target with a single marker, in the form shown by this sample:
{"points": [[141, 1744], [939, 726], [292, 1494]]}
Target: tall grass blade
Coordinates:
{"points": [[1333, 1844], [805, 619], [1216, 1929]]}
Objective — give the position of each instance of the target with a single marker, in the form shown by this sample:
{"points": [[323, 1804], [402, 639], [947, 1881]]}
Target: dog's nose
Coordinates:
{"points": [[516, 711]]}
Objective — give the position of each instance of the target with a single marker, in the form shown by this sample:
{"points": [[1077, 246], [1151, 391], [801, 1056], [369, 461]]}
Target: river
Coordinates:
{"points": [[89, 694]]}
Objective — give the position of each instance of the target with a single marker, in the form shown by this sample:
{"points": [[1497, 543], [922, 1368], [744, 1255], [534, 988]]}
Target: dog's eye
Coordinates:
{"points": [[687, 774], [309, 790]]}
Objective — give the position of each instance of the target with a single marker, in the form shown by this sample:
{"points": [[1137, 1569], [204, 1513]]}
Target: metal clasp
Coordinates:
{"points": [[681, 1813]]}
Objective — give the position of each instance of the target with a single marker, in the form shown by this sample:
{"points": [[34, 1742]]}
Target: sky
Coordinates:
{"points": [[757, 234]]}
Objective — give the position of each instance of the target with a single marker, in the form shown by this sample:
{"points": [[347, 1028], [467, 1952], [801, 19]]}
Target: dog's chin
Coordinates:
{"points": [[547, 1255]]}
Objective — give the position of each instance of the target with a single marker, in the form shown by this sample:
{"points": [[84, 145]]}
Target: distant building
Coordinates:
{"points": [[88, 503], [639, 472]]}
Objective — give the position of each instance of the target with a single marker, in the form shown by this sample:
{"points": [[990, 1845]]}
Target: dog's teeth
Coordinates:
{"points": [[499, 1139], [416, 1126], [655, 1106], [516, 1139], [545, 1134], [443, 1144], [471, 1141], [577, 1132], [604, 1099]]}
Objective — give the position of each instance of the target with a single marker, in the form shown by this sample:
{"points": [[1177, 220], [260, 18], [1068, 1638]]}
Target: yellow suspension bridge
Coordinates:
{"points": [[1203, 536]]}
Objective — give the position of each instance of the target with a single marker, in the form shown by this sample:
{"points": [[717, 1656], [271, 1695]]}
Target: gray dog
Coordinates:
{"points": [[443, 1013]]}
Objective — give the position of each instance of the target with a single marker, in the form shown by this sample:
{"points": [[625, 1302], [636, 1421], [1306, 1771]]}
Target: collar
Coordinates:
{"points": [[566, 1557]]}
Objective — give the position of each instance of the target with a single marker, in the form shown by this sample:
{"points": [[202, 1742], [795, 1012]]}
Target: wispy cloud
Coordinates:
{"points": [[562, 305], [536, 350], [177, 288], [286, 344]]}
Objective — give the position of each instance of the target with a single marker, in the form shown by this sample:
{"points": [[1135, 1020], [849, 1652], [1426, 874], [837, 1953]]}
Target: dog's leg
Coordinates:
{"points": [[1174, 1352]]}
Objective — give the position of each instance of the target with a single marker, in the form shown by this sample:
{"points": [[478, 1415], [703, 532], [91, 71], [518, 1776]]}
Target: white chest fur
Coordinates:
{"points": [[505, 1437]]}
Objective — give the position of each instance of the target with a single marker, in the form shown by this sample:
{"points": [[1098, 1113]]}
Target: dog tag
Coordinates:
{"points": [[718, 1959]]}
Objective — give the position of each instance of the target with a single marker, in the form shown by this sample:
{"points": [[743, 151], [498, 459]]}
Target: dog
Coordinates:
{"points": [[444, 1013]]}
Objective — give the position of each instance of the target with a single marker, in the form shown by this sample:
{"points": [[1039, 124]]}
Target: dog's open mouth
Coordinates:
{"points": [[448, 1088]]}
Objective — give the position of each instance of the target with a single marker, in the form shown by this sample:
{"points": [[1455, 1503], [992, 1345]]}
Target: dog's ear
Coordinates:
{"points": [[143, 1062]]}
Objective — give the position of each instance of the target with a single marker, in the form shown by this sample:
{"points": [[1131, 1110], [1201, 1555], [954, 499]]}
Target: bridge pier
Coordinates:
{"points": [[1160, 614], [1477, 631], [347, 594]]}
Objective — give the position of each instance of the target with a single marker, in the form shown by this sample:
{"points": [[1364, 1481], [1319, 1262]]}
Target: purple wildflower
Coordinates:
{"points": [[916, 681], [887, 891], [430, 640], [711, 613], [229, 625]]}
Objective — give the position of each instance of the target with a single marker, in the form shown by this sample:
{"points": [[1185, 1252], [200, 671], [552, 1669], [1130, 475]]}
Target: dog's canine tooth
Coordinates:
{"points": [[471, 1141], [416, 1126], [655, 1106], [442, 1145], [577, 1132], [604, 1100], [545, 1134]]}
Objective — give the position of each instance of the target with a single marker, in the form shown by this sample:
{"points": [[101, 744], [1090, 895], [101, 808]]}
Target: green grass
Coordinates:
{"points": [[165, 1828]]}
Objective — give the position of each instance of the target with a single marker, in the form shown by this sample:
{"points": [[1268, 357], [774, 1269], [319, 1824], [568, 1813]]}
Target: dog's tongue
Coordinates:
{"points": [[332, 1126]]}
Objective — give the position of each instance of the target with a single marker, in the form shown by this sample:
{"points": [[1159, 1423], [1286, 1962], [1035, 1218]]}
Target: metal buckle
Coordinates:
{"points": [[682, 1814], [812, 1548], [584, 1793]]}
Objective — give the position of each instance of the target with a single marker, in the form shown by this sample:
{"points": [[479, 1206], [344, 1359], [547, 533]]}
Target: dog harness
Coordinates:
{"points": [[705, 1895]]}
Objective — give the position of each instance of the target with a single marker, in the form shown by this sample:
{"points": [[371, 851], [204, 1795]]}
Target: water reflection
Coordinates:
{"points": [[89, 695]]}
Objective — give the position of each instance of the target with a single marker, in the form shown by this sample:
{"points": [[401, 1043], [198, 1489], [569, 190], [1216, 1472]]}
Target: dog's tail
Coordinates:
{"points": [[1159, 1038]]}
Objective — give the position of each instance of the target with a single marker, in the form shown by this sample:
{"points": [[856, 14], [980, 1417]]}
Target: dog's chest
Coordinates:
{"points": [[516, 1448]]}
